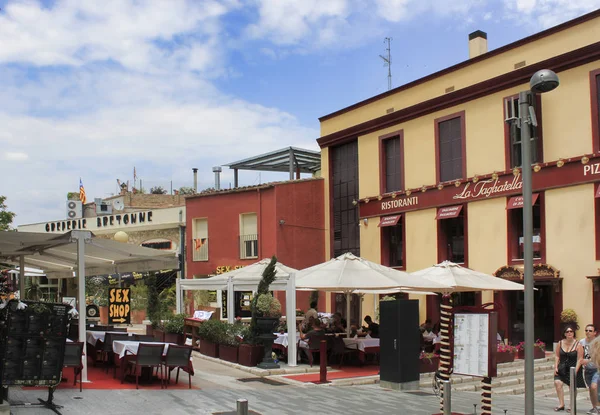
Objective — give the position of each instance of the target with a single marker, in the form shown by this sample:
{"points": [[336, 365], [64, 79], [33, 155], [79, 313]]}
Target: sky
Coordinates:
{"points": [[91, 89]]}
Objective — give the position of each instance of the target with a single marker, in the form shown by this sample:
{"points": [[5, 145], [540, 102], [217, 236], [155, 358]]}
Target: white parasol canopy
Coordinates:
{"points": [[458, 279], [349, 273]]}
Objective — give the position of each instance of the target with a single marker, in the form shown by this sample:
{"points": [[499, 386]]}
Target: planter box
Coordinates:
{"points": [[229, 353], [426, 365], [505, 357], [138, 316], [208, 348], [250, 354], [159, 335], [537, 353], [173, 338]]}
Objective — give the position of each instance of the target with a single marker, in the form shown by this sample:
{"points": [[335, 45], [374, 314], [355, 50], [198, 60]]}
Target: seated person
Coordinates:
{"points": [[310, 313], [316, 333], [372, 327], [337, 324], [353, 330], [427, 326]]}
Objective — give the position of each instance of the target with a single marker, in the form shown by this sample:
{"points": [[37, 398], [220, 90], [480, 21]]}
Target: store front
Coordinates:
{"points": [[548, 304]]}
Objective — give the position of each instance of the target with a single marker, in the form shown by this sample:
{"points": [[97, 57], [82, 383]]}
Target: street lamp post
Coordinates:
{"points": [[542, 81]]}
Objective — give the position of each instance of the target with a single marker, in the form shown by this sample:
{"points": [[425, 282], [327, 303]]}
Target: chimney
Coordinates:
{"points": [[477, 43], [195, 170], [217, 171]]}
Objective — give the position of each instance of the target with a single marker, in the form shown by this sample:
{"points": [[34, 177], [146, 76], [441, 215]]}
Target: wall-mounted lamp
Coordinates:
{"points": [[281, 221], [366, 221], [354, 202]]}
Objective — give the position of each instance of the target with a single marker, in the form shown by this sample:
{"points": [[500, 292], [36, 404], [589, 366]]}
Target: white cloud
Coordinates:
{"points": [[15, 156], [542, 14]]}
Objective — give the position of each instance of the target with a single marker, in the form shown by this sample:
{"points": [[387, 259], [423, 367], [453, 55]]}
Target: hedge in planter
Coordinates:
{"points": [[229, 345], [211, 333], [428, 362], [505, 353], [173, 328], [539, 351]]}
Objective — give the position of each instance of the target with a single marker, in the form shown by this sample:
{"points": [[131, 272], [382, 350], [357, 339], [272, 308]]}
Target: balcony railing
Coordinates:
{"points": [[200, 249], [248, 246]]}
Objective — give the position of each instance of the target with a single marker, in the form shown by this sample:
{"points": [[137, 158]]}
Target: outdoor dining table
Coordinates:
{"points": [[364, 346], [92, 337]]}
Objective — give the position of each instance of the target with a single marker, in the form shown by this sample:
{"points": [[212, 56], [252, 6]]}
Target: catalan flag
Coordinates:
{"points": [[199, 243], [82, 192]]}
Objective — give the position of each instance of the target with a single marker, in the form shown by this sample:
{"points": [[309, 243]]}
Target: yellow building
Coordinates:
{"points": [[429, 171]]}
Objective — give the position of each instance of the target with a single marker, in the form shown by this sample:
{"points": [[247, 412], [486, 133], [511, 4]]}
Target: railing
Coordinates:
{"points": [[248, 246], [200, 249]]}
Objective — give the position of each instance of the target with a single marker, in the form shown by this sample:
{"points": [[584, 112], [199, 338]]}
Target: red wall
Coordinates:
{"points": [[299, 242]]}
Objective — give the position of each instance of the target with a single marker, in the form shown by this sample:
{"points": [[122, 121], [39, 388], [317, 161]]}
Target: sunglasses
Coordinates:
{"points": [[590, 331], [568, 331]]}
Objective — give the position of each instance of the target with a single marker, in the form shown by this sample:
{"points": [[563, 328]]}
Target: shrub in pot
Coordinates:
{"points": [[539, 350], [568, 317], [428, 362], [505, 353], [230, 343], [173, 328], [211, 333]]}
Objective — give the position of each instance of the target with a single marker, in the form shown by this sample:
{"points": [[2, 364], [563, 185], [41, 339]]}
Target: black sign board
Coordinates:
{"points": [[242, 302], [119, 308], [32, 343]]}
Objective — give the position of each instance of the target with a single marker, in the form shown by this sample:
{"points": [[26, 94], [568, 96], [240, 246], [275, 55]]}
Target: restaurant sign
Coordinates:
{"points": [[571, 173]]}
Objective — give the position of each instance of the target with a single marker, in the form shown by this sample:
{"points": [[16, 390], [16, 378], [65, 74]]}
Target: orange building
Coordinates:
{"points": [[430, 171]]}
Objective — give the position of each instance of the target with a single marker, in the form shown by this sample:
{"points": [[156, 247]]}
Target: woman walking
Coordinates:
{"points": [[568, 353]]}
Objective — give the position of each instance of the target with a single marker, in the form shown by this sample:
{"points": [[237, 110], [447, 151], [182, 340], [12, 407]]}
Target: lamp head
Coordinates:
{"points": [[543, 80]]}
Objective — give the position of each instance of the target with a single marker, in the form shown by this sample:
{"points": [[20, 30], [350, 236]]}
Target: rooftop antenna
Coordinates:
{"points": [[388, 61]]}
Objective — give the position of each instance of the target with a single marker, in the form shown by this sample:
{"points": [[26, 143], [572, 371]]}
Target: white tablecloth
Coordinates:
{"points": [[93, 336], [282, 338], [120, 346], [361, 343]]}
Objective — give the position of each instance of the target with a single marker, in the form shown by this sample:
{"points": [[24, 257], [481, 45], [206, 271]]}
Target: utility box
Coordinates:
{"points": [[400, 344]]}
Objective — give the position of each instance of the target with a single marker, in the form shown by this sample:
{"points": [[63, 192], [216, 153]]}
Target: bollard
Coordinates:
{"points": [[447, 397], [242, 407], [573, 390], [323, 361]]}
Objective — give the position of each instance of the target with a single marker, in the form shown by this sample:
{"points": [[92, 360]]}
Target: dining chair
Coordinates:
{"points": [[143, 338], [339, 349], [314, 347], [107, 347], [73, 358], [178, 357], [148, 355]]}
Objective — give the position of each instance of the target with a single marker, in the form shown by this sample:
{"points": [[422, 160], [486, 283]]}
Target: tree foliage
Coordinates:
{"points": [[158, 190], [6, 217], [268, 277], [186, 190]]}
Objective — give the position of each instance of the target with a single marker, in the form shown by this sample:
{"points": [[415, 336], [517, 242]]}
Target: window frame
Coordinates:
{"points": [[385, 244], [442, 242], [539, 130], [437, 121], [511, 233], [595, 102], [243, 242], [383, 161]]}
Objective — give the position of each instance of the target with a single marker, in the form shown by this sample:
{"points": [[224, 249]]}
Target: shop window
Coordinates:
{"points": [[512, 132], [391, 161], [450, 147], [393, 242], [595, 99], [200, 239], [452, 234], [248, 236], [515, 228]]}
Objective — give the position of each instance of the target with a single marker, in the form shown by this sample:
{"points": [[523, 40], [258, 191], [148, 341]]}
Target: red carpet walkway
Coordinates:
{"points": [[344, 373]]}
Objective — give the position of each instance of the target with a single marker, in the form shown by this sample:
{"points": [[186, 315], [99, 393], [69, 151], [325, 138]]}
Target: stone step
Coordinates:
{"points": [[506, 383]]}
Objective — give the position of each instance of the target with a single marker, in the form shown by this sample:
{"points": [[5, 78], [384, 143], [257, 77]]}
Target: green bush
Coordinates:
{"points": [[175, 323], [268, 306], [213, 331], [235, 334], [139, 296]]}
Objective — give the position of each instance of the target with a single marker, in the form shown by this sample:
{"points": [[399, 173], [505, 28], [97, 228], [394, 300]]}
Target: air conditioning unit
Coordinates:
{"points": [[74, 209]]}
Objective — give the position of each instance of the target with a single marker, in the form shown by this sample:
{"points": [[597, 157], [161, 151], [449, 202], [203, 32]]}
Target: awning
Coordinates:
{"points": [[449, 212], [389, 221], [516, 202]]}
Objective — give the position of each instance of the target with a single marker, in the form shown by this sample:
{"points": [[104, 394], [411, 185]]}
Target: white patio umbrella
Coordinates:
{"points": [[350, 274], [459, 279]]}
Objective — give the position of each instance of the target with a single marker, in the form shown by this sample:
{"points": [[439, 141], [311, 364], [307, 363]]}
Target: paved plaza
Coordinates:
{"points": [[220, 388]]}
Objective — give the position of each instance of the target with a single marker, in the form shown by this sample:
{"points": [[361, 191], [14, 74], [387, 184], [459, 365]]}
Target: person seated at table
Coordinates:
{"points": [[315, 334], [310, 313], [427, 326], [353, 330], [372, 327], [337, 324]]}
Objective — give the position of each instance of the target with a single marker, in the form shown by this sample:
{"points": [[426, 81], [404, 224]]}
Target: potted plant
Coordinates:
{"points": [[173, 328], [505, 353], [428, 362], [211, 333], [266, 311], [139, 302], [230, 343], [539, 350]]}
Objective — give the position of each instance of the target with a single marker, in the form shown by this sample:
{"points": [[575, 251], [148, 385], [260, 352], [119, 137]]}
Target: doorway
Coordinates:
{"points": [[544, 303]]}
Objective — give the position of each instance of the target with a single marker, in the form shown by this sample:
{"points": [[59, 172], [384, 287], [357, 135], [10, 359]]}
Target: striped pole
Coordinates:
{"points": [[486, 396], [445, 347]]}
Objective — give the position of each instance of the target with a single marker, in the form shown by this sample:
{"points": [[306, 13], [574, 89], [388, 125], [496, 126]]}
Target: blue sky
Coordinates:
{"points": [[91, 89]]}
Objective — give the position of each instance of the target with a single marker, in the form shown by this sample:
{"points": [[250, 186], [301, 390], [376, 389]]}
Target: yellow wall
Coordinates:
{"points": [[559, 43], [570, 245], [370, 249], [327, 199]]}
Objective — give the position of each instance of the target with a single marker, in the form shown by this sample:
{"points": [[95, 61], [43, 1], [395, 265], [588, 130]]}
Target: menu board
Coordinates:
{"points": [[472, 344]]}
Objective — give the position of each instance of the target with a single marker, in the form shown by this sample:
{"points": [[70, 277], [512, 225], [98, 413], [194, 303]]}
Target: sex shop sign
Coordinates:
{"points": [[572, 172]]}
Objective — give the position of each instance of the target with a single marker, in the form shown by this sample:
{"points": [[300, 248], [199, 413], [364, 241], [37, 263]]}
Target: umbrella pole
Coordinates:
{"points": [[445, 348], [348, 314]]}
